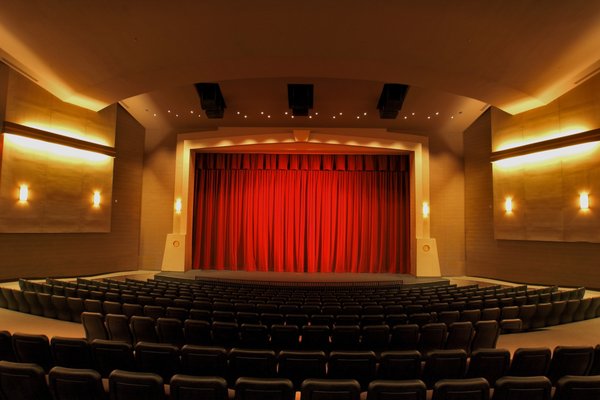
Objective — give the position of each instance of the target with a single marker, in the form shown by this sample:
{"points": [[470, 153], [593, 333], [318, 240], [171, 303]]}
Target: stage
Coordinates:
{"points": [[301, 279]]}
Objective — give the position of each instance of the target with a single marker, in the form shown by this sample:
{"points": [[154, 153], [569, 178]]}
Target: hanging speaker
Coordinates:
{"points": [[300, 98], [391, 100]]}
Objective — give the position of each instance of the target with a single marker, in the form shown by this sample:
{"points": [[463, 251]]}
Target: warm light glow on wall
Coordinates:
{"points": [[54, 150], [65, 131], [569, 131], [23, 193], [584, 201], [96, 199], [425, 210], [508, 205], [178, 206], [578, 150]]}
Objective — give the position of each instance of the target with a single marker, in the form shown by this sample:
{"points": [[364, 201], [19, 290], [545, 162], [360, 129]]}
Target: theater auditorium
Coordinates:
{"points": [[313, 201]]}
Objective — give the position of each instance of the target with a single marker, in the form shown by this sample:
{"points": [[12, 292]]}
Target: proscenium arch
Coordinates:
{"points": [[319, 140]]}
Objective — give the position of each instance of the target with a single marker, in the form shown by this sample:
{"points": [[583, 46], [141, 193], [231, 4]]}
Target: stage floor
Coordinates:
{"points": [[302, 278]]}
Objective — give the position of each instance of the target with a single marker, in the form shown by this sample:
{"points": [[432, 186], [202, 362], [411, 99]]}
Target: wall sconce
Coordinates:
{"points": [[584, 201], [96, 199], [425, 210], [508, 205], [23, 193], [178, 206]]}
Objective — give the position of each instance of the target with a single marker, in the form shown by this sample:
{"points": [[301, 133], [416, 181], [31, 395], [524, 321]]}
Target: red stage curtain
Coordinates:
{"points": [[302, 213]]}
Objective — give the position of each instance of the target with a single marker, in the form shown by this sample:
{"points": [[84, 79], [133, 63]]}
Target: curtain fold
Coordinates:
{"points": [[302, 213]]}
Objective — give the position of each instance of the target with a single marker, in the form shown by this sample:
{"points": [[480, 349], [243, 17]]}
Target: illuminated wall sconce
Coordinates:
{"points": [[425, 210], [178, 206], [508, 205], [23, 193], [96, 199], [584, 201]]}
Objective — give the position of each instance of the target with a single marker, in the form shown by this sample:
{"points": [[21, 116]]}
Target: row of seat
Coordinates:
{"points": [[27, 382], [458, 335], [166, 360]]}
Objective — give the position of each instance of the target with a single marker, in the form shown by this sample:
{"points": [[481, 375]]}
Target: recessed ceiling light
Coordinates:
{"points": [[340, 113], [429, 117], [177, 115], [310, 116], [286, 113], [333, 117], [191, 111], [292, 116], [437, 113], [405, 117], [413, 113], [452, 117], [169, 111], [245, 116], [262, 113], [238, 113], [155, 114], [358, 117], [316, 113], [364, 113]]}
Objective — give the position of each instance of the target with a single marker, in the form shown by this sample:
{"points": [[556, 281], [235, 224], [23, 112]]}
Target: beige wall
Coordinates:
{"points": [[568, 264], [70, 254]]}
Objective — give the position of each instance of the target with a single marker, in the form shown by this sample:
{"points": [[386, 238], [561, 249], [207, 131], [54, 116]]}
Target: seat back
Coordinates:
{"points": [[204, 360], [375, 337], [330, 389], [197, 332], [463, 389], [460, 335], [578, 388], [170, 330], [251, 363], [63, 312], [93, 325], [570, 360], [24, 381], [143, 329], [69, 384], [126, 385], [432, 337], [358, 365], [35, 307], [530, 362], [315, 337], [285, 337], [444, 364], [71, 352], [490, 364], [254, 336], [486, 335], [345, 337], [76, 307], [110, 355], [187, 387], [264, 389], [32, 349], [399, 365], [523, 387], [300, 365], [405, 337], [6, 349], [117, 326], [159, 358], [413, 389]]}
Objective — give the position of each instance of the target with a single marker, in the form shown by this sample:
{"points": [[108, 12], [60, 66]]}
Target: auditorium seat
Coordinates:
{"points": [[399, 365], [567, 316], [315, 337], [329, 389], [204, 360], [71, 352], [540, 317], [473, 316], [31, 348], [111, 307], [6, 349], [143, 329], [47, 307], [76, 307], [22, 304], [347, 319], [358, 365], [170, 330], [300, 365], [570, 360], [558, 308], [117, 326], [110, 355], [254, 336], [225, 334], [404, 337], [448, 317], [432, 337], [187, 387], [202, 315], [530, 361], [24, 381], [63, 312], [322, 319], [70, 384], [578, 388], [251, 363], [584, 304], [463, 389], [459, 336], [490, 314], [247, 317], [126, 385], [132, 309], [522, 387], [486, 335], [159, 358], [345, 337], [413, 389], [270, 319], [296, 319], [93, 305], [375, 337], [35, 307], [526, 313], [490, 364], [593, 309], [197, 332], [444, 364]]}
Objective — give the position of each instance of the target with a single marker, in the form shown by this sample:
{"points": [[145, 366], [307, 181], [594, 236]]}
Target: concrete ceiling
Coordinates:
{"points": [[458, 57]]}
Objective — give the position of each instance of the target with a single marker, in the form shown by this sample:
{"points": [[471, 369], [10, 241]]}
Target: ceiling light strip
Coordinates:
{"points": [[33, 133], [552, 144]]}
